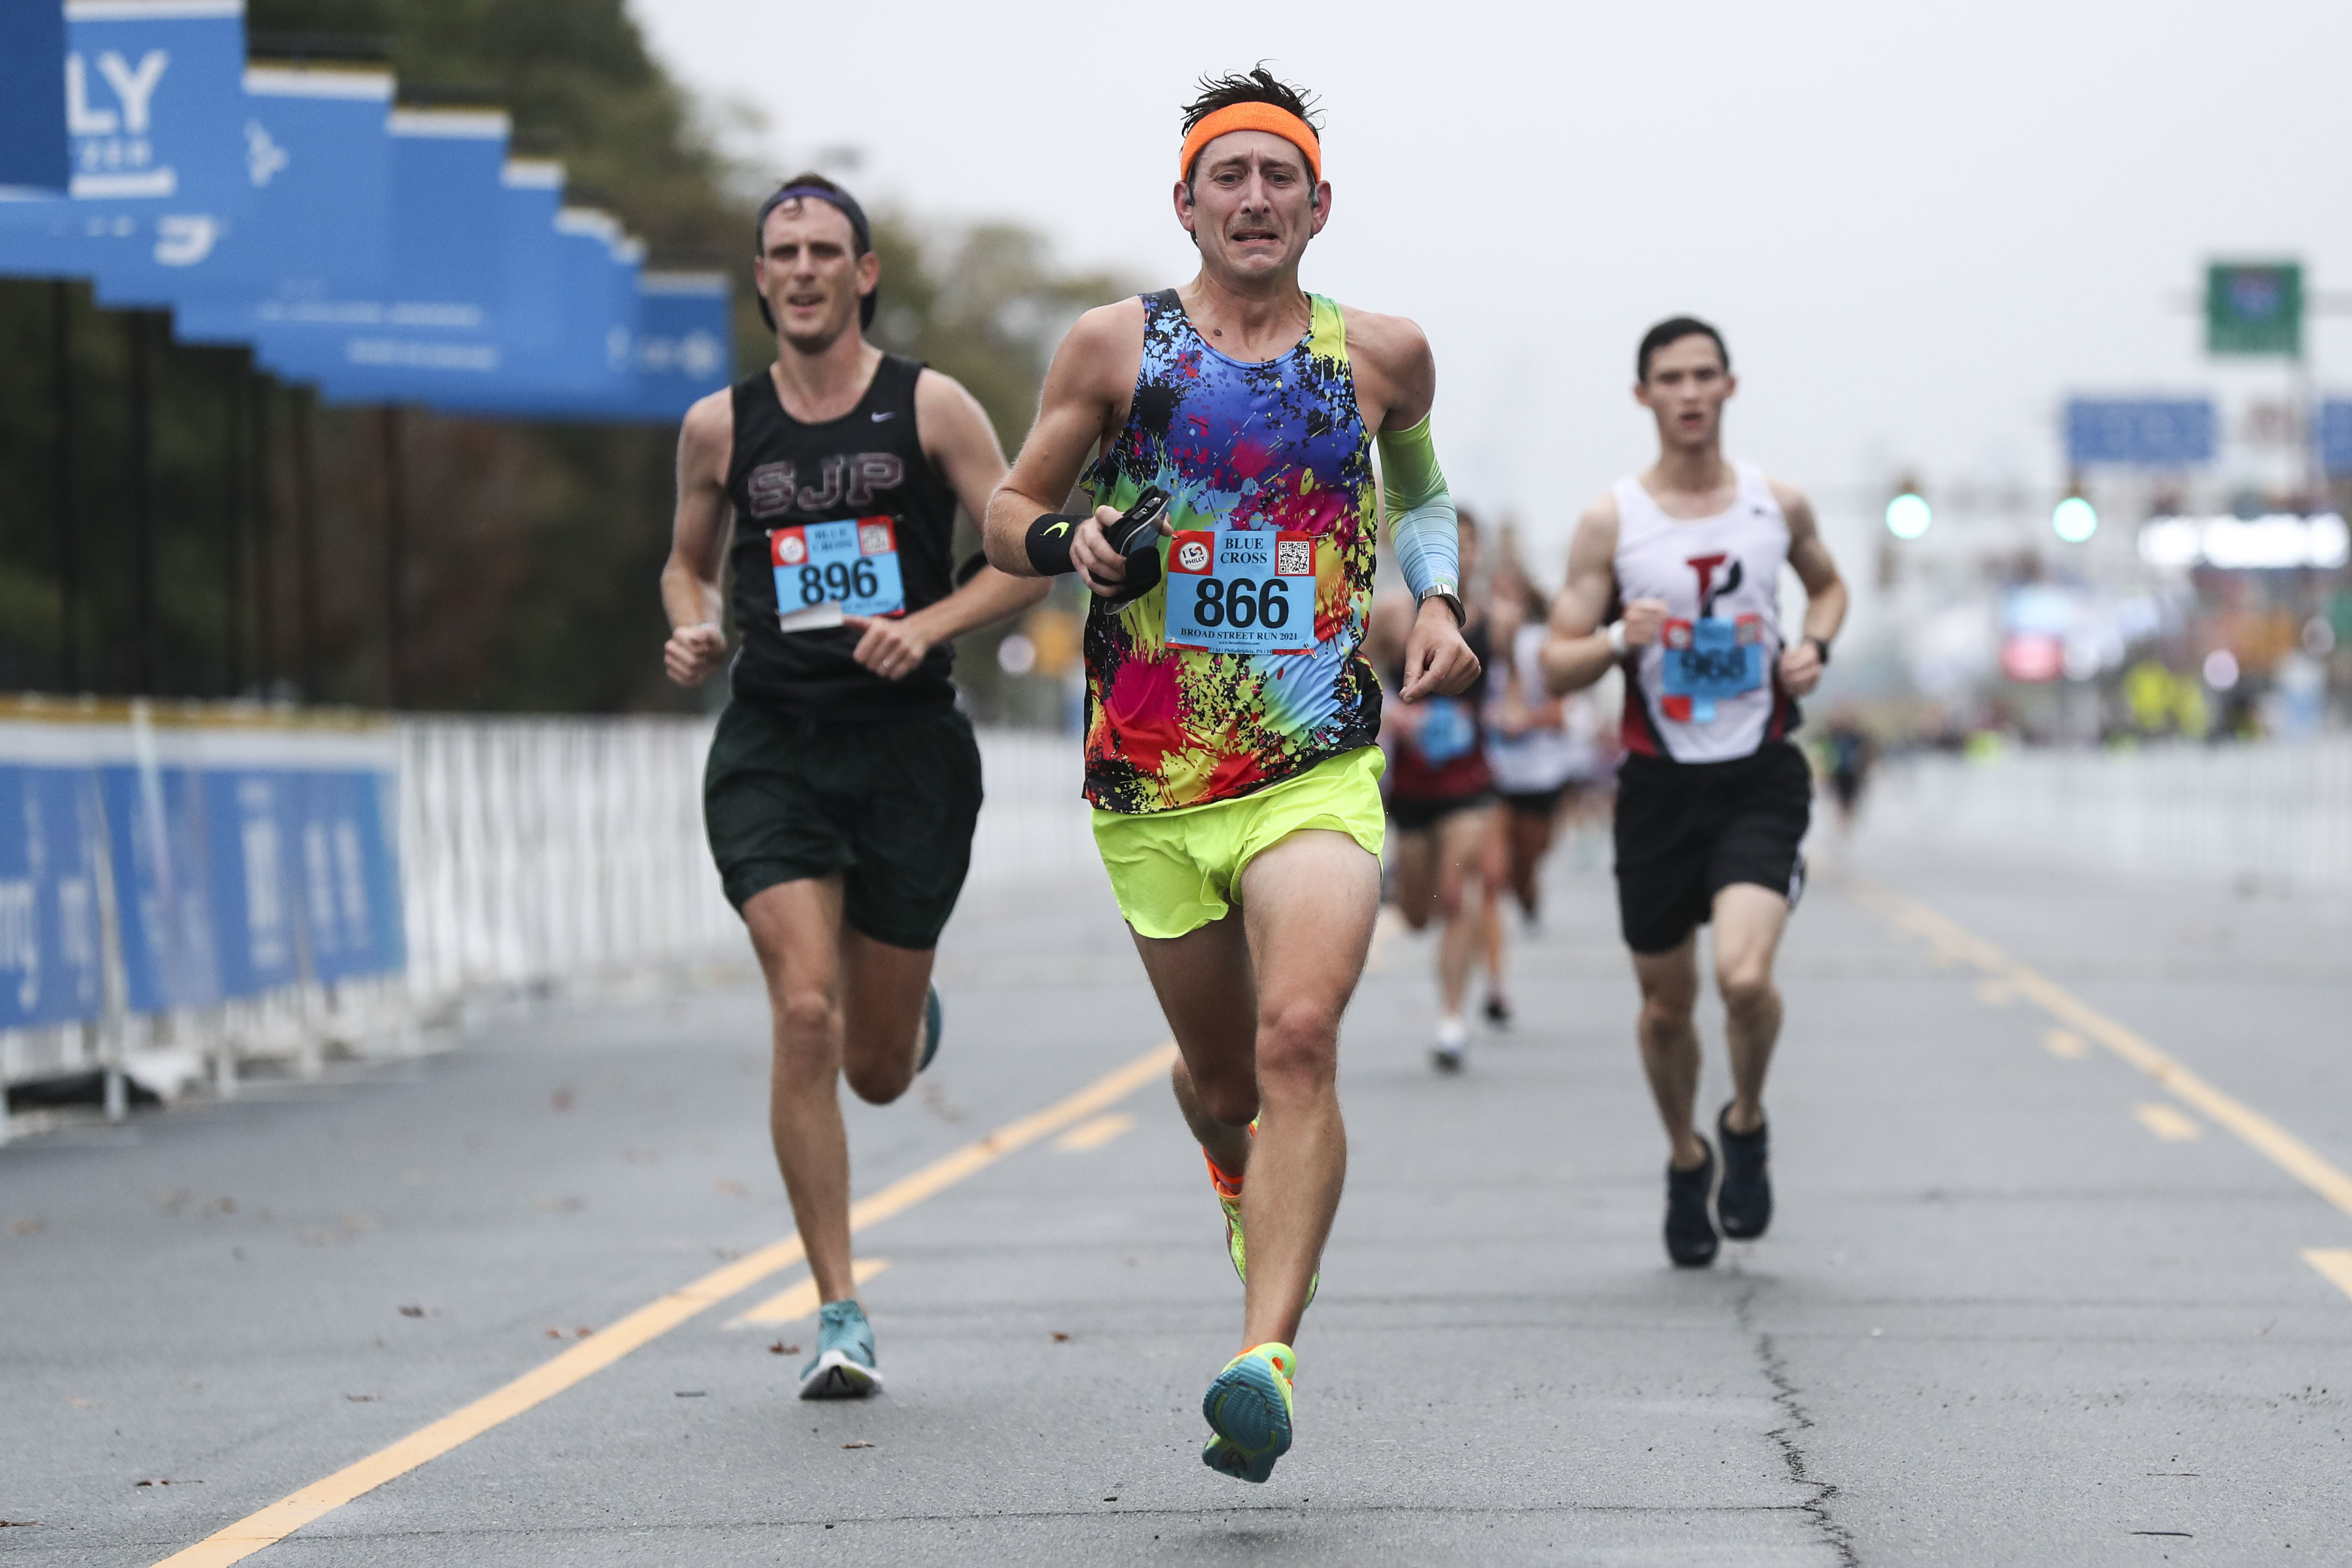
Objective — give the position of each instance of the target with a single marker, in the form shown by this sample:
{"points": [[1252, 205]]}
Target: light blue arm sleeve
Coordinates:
{"points": [[1422, 525]]}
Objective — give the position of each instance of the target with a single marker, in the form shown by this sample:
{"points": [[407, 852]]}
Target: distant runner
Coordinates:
{"points": [[1231, 720], [1847, 750], [1545, 751], [1712, 800], [1441, 797], [843, 785]]}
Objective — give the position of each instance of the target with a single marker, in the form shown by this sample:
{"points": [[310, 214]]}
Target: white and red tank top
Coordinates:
{"points": [[1710, 690]]}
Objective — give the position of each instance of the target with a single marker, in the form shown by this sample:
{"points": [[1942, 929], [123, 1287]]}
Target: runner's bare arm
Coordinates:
{"points": [[1396, 384], [957, 436], [1825, 592], [1578, 652], [1085, 394], [697, 542]]}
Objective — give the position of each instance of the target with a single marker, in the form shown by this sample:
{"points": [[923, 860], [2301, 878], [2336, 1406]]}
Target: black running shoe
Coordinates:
{"points": [[1690, 1233], [1744, 1206], [1498, 1012]]}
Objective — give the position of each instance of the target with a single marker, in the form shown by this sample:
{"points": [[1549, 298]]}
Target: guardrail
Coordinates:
{"points": [[186, 889], [2278, 813]]}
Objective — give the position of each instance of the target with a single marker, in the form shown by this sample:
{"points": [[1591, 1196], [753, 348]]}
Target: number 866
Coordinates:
{"points": [[1242, 603]]}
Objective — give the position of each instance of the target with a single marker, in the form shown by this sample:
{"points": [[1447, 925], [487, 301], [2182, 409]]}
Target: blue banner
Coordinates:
{"points": [[155, 113], [319, 230], [2143, 432], [163, 885], [33, 96], [685, 333], [51, 967], [2336, 437]]}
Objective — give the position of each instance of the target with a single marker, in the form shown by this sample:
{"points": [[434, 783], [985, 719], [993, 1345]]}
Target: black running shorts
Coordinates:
{"points": [[890, 803], [1687, 830]]}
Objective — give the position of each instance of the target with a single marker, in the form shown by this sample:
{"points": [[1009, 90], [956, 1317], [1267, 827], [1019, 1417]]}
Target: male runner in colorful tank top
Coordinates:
{"points": [[1231, 721], [1683, 564], [843, 786]]}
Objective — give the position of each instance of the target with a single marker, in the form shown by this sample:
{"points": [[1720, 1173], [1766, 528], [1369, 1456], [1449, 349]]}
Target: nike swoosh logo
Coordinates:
{"points": [[1058, 528], [890, 414]]}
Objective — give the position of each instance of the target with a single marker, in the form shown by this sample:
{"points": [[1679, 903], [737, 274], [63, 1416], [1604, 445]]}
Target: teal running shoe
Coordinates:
{"points": [[934, 1022], [844, 1365], [1248, 1408]]}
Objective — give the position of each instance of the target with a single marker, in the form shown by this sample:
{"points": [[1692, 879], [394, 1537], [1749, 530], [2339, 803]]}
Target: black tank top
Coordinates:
{"points": [[850, 511]]}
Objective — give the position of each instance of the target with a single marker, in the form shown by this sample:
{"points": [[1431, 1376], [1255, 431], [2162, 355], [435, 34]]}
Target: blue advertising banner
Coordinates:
{"points": [[319, 230], [162, 884], [446, 273], [685, 333], [33, 96], [350, 876], [51, 970], [154, 116], [588, 368], [2140, 432]]}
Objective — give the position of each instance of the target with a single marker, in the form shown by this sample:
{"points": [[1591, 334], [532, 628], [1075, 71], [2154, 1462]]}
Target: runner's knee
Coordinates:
{"points": [[1298, 1045], [1745, 985], [878, 1083]]}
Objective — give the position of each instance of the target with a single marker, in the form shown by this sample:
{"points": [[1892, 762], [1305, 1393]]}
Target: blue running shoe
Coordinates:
{"points": [[1248, 1407], [844, 1365], [934, 1021]]}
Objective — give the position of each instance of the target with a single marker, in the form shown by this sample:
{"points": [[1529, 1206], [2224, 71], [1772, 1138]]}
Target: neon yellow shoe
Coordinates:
{"points": [[1248, 1407], [1229, 1198]]}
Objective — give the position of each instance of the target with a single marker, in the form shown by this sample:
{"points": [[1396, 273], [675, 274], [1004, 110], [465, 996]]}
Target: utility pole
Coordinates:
{"points": [[141, 388], [69, 525], [395, 562], [265, 538], [233, 525], [306, 541]]}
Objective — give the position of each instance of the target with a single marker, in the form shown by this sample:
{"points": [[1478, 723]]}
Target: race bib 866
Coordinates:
{"points": [[1241, 592]]}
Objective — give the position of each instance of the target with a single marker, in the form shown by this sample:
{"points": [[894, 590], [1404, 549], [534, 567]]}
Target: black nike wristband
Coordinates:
{"points": [[1049, 543]]}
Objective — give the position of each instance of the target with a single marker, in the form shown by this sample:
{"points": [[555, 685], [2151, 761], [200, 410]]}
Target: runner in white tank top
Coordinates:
{"points": [[1708, 689], [1674, 577]]}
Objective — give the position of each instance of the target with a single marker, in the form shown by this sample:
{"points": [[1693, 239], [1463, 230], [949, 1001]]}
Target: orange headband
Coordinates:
{"points": [[1251, 117]]}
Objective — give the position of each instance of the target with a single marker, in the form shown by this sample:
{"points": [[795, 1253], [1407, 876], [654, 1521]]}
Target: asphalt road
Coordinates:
{"points": [[2022, 1302]]}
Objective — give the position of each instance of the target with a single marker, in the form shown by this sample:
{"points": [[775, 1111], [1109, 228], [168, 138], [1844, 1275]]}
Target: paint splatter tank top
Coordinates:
{"points": [[1242, 668]]}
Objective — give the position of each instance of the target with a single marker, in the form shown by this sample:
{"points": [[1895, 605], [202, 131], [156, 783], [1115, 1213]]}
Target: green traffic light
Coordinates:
{"points": [[1908, 515], [2074, 519]]}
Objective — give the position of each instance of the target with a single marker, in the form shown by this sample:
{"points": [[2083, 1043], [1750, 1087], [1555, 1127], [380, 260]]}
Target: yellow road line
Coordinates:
{"points": [[2336, 1262], [2066, 1043], [648, 1322], [1094, 1134], [798, 1300], [2169, 1122], [2266, 1137]]}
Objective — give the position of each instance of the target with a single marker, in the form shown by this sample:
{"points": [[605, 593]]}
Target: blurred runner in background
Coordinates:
{"points": [[843, 786], [1441, 798], [1232, 747], [1675, 575], [1545, 752], [1848, 755]]}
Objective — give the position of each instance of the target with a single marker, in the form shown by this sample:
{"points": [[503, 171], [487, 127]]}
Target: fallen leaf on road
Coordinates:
{"points": [[859, 1443], [582, 1333], [560, 1100], [362, 1398], [780, 1348], [689, 1394], [83, 1403], [166, 1481], [20, 1524], [27, 1227], [1061, 1338], [412, 1311]]}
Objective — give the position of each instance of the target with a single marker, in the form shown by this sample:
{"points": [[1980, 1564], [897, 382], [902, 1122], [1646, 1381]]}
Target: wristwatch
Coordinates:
{"points": [[1821, 648], [1453, 603]]}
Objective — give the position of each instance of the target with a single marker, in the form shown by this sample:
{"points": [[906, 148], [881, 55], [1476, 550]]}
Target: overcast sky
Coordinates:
{"points": [[1920, 227]]}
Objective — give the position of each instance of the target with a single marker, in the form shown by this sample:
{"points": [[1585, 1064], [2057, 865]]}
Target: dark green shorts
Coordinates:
{"points": [[890, 804]]}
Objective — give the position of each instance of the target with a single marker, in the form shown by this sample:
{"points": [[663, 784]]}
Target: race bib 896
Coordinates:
{"points": [[853, 564], [1232, 591]]}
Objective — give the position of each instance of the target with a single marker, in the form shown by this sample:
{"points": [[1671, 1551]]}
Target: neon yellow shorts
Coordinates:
{"points": [[1174, 871]]}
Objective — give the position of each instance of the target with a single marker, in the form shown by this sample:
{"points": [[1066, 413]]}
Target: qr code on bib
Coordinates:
{"points": [[1294, 557]]}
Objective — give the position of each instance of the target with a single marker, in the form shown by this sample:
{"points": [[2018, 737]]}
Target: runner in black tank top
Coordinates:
{"points": [[1440, 802], [854, 482], [843, 785]]}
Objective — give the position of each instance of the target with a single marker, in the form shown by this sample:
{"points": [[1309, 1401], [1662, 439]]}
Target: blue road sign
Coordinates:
{"points": [[2140, 433], [33, 99], [2336, 437]]}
